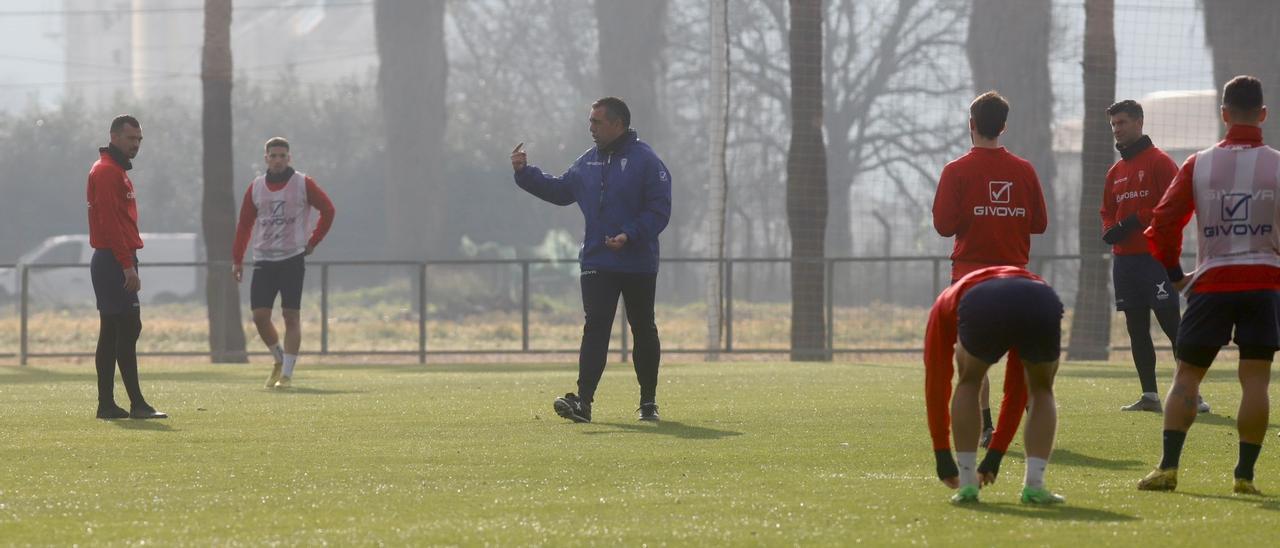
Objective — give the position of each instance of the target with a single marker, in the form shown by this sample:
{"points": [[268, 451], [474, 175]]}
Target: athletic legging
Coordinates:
{"points": [[1138, 323], [600, 292], [118, 345]]}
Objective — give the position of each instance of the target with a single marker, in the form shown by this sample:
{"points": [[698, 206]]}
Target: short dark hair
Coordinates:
{"points": [[1127, 106], [275, 142], [615, 109], [1242, 94], [122, 120], [989, 112]]}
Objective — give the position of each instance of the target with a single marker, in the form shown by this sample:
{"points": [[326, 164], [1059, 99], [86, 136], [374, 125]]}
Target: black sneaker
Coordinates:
{"points": [[145, 411], [1144, 403], [112, 411], [649, 412], [571, 407]]}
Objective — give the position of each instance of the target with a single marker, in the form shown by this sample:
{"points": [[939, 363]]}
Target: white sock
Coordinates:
{"points": [[277, 352], [1035, 472], [290, 360], [1151, 395], [968, 463]]}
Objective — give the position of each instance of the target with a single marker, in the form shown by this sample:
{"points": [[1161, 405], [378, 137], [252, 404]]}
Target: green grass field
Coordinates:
{"points": [[748, 453]]}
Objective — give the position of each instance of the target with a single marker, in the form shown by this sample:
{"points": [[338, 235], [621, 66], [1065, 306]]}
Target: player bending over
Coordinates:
{"points": [[992, 311]]}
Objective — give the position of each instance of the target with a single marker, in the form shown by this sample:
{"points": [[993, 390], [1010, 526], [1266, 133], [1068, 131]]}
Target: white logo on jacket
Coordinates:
{"points": [[1122, 196], [624, 164]]}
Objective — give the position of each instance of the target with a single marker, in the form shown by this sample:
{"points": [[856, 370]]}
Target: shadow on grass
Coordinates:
{"points": [[1215, 419], [454, 367], [34, 375], [154, 425], [666, 428], [1267, 502], [1057, 512], [1093, 371], [307, 391], [1071, 458]]}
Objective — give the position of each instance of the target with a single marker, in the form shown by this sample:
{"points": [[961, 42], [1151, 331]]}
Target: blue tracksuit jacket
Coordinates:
{"points": [[623, 189]]}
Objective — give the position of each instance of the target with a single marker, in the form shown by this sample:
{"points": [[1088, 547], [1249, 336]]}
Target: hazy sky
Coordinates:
{"points": [[31, 52], [1160, 46]]}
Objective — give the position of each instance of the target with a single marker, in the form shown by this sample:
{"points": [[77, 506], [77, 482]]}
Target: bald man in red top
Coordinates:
{"points": [[982, 316], [113, 234], [990, 200]]}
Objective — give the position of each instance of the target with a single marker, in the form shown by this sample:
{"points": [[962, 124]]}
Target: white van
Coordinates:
{"points": [[68, 286]]}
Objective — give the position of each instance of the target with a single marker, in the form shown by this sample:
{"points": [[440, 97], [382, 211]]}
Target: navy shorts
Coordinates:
{"points": [[108, 283], [1141, 283], [277, 277], [1207, 326], [1011, 313]]}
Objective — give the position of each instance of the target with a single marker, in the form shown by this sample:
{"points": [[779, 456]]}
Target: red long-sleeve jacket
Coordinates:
{"points": [[316, 197], [113, 211], [1171, 215], [1134, 186], [939, 353], [991, 201]]}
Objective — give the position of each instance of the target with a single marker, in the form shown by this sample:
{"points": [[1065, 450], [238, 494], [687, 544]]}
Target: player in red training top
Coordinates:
{"points": [[276, 214], [992, 311], [1133, 187], [1231, 190], [113, 234], [991, 201]]}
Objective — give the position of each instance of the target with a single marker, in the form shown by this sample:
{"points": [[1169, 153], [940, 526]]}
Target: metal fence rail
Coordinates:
{"points": [[423, 270]]}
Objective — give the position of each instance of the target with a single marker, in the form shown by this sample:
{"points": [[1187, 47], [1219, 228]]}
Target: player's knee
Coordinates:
{"points": [[644, 331], [1255, 371], [597, 322]]}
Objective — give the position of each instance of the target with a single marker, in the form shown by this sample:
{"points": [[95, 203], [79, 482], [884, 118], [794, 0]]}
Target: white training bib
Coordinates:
{"points": [[284, 219], [1236, 207]]}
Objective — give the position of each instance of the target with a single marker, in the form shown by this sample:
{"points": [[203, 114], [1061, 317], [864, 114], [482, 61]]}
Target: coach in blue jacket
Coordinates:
{"points": [[624, 192]]}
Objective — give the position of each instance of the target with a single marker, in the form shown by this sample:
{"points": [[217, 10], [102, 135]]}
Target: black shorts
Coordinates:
{"points": [[108, 283], [1211, 318], [1011, 313], [277, 277], [1141, 282]]}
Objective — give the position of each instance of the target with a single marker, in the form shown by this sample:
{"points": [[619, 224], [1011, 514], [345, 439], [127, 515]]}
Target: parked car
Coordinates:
{"points": [[68, 285]]}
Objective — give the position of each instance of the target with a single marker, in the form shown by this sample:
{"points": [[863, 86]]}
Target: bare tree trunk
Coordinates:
{"points": [[412, 78], [807, 184], [1243, 40], [1091, 324], [631, 44], [1008, 48], [718, 184], [218, 210]]}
